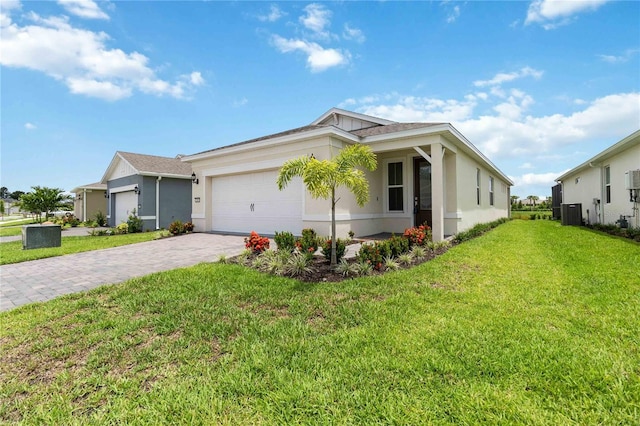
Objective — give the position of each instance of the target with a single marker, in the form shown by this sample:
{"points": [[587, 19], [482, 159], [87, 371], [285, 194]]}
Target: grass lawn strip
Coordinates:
{"points": [[531, 323], [12, 252]]}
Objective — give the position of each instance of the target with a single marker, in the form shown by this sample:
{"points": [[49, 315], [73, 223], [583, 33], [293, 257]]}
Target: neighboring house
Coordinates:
{"points": [[9, 207], [427, 172], [89, 200], [157, 189], [600, 184]]}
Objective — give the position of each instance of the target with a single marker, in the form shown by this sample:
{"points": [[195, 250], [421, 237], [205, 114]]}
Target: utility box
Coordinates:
{"points": [[41, 236], [572, 214]]}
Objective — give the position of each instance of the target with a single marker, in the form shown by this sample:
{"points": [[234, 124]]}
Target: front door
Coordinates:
{"points": [[422, 191]]}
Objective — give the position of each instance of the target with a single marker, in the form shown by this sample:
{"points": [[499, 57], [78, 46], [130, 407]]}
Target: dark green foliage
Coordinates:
{"points": [[188, 227], [134, 223], [631, 233], [341, 247], [308, 243], [285, 241], [478, 230], [374, 253], [101, 219], [398, 245]]}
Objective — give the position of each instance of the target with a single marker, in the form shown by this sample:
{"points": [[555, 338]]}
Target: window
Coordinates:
{"points": [[490, 190], [478, 186], [395, 188], [607, 184]]}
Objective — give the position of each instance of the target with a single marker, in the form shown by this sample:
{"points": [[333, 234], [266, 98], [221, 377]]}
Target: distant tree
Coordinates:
{"points": [[16, 195], [323, 177], [2, 208], [4, 192], [533, 199], [43, 200], [514, 199], [519, 205]]}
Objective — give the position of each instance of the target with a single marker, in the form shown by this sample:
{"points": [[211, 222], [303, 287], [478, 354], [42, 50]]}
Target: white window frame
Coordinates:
{"points": [[386, 186], [478, 182], [607, 184], [491, 191]]}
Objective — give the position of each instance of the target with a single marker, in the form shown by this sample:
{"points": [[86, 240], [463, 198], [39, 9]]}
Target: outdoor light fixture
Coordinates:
{"points": [[79, 197], [194, 179], [106, 194], [136, 190]]}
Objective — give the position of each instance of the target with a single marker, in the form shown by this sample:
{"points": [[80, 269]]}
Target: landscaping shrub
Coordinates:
{"points": [[374, 253], [71, 220], [176, 227], [398, 245], [308, 243], [341, 247], [134, 223], [100, 219], [285, 241], [478, 230], [256, 243], [418, 235], [188, 227], [123, 228]]}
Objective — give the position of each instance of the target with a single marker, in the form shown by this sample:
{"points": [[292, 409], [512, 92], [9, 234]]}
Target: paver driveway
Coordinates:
{"points": [[45, 279]]}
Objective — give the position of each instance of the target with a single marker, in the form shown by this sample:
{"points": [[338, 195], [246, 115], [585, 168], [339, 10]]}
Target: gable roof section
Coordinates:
{"points": [[391, 128], [328, 117], [632, 140], [150, 165], [98, 186]]}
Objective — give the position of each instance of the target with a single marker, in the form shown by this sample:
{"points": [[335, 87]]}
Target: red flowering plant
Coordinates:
{"points": [[256, 243], [374, 253], [418, 235]]}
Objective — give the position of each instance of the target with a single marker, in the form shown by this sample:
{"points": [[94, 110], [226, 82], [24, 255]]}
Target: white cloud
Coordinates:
{"points": [[617, 59], [274, 14], [81, 59], [453, 14], [84, 9], [316, 18], [526, 166], [500, 78], [353, 34], [240, 102], [554, 13], [540, 179], [30, 126], [318, 58]]}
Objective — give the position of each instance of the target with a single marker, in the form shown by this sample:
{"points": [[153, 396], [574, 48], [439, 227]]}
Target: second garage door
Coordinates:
{"points": [[126, 203], [252, 202]]}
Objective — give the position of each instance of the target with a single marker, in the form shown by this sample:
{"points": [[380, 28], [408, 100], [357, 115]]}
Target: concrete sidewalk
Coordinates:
{"points": [[46, 279]]}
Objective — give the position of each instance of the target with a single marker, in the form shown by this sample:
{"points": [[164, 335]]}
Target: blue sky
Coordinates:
{"points": [[539, 86]]}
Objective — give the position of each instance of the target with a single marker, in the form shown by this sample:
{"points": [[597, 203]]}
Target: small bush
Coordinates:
{"points": [[398, 245], [418, 236], [390, 264], [308, 243], [418, 252], [285, 241], [374, 253], [100, 218], [256, 243], [351, 234], [223, 259], [297, 265], [346, 269], [341, 247], [188, 227], [134, 223], [407, 258], [176, 227], [123, 228], [478, 230], [162, 234], [363, 268], [244, 258]]}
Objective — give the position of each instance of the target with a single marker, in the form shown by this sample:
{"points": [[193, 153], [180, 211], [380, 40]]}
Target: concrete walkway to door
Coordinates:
{"points": [[46, 279]]}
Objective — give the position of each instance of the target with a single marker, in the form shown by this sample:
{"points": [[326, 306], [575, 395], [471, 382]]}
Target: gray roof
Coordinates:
{"points": [[154, 164], [98, 185], [390, 128]]}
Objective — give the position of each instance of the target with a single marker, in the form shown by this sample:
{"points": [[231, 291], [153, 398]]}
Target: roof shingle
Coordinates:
{"points": [[157, 165]]}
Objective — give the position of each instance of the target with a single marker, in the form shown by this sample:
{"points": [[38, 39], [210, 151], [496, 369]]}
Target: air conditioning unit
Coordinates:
{"points": [[632, 179]]}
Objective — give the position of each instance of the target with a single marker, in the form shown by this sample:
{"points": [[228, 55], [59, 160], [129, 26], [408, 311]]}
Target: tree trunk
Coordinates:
{"points": [[334, 258]]}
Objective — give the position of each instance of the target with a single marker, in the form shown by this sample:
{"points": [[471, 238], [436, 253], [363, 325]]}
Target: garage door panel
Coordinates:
{"points": [[126, 203], [252, 202]]}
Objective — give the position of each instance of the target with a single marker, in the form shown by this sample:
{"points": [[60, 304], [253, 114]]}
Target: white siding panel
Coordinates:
{"points": [[252, 202], [126, 202]]}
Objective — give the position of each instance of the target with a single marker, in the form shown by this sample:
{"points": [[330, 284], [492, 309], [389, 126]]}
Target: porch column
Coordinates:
{"points": [[437, 191]]}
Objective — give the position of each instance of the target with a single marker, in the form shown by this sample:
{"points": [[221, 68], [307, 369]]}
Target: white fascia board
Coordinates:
{"points": [[124, 188], [328, 131], [626, 143], [422, 131], [165, 175], [351, 114]]}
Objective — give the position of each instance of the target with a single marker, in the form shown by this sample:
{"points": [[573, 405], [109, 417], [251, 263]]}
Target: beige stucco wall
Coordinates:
{"points": [[586, 184], [94, 201]]}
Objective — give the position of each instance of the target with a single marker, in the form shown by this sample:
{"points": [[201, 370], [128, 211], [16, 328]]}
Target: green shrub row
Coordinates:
{"points": [[631, 232], [478, 230]]}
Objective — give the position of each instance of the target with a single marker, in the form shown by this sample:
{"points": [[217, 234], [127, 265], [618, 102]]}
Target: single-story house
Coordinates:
{"points": [[608, 185], [156, 189], [427, 172], [89, 200]]}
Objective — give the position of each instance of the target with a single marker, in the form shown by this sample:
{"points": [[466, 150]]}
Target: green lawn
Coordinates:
{"points": [[533, 323], [12, 252]]}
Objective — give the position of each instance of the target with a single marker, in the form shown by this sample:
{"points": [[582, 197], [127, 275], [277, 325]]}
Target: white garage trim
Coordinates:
{"points": [[123, 188]]}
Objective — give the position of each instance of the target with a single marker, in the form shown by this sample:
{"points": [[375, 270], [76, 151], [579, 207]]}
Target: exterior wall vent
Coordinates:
{"points": [[632, 179]]}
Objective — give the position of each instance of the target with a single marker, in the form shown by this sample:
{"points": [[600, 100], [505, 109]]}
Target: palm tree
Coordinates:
{"points": [[533, 198], [323, 177]]}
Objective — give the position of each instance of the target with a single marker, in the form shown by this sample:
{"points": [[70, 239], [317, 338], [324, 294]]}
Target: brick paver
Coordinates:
{"points": [[46, 279]]}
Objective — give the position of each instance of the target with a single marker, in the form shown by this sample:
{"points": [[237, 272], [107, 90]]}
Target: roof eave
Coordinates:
{"points": [[352, 114]]}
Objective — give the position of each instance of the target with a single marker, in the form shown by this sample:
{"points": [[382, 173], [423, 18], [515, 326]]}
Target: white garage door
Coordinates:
{"points": [[252, 202], [126, 202]]}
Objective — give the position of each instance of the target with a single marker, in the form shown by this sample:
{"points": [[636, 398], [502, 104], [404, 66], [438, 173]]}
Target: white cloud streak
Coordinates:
{"points": [[81, 59], [316, 18], [318, 58], [501, 78], [274, 14], [83, 8], [30, 126], [554, 13], [355, 34]]}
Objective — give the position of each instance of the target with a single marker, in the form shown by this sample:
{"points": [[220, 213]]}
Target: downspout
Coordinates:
{"points": [[84, 204], [158, 202]]}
